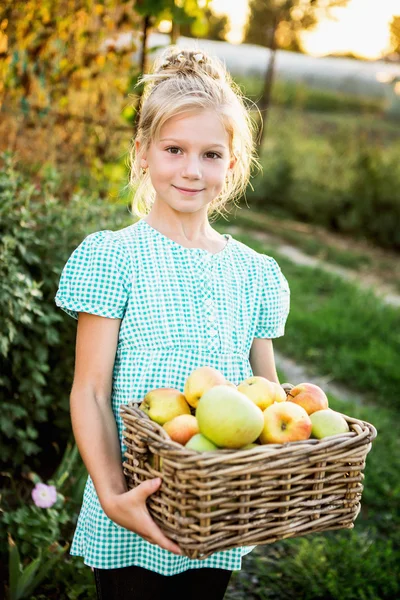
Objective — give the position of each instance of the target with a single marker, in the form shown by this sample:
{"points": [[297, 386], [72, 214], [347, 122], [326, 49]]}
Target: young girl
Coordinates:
{"points": [[158, 299]]}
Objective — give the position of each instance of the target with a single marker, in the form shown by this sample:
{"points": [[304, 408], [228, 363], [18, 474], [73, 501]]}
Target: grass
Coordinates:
{"points": [[339, 330], [305, 237]]}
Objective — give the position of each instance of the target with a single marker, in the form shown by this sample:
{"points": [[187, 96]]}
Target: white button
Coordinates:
{"points": [[208, 301], [211, 317], [213, 332]]}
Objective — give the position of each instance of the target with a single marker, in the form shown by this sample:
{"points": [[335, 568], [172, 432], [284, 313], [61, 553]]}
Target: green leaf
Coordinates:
{"points": [[24, 587], [14, 568], [58, 553]]}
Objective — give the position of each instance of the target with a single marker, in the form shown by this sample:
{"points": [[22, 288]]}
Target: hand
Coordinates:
{"points": [[129, 510]]}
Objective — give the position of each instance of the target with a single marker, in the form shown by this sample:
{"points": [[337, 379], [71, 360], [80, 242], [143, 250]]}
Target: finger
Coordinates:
{"points": [[146, 488], [163, 541]]}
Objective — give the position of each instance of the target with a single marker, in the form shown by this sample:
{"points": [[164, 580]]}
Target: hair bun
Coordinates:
{"points": [[180, 60]]}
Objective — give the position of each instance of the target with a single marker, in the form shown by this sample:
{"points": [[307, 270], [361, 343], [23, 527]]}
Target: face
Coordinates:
{"points": [[189, 162]]}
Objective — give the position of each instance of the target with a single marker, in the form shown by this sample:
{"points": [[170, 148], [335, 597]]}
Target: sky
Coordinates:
{"points": [[361, 28]]}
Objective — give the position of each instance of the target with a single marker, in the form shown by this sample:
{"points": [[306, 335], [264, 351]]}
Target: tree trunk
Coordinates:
{"points": [[175, 32], [143, 68], [268, 82]]}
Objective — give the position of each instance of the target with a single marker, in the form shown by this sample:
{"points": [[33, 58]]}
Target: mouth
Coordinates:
{"points": [[189, 191]]}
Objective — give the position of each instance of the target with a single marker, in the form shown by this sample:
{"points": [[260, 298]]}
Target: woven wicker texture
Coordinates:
{"points": [[214, 501]]}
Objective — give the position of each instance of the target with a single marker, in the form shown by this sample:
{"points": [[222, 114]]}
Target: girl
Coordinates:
{"points": [[158, 299]]}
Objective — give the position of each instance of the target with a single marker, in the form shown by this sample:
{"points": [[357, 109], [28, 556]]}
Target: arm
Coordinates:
{"points": [[262, 359], [95, 430]]}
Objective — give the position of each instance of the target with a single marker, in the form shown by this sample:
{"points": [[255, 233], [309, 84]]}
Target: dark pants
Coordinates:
{"points": [[136, 583]]}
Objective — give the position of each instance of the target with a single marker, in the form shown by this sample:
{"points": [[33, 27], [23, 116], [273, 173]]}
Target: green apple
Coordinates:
{"points": [[229, 418], [250, 446], [200, 443], [327, 422]]}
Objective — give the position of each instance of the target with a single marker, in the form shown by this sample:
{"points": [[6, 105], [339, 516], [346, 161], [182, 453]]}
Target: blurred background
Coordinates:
{"points": [[323, 78]]}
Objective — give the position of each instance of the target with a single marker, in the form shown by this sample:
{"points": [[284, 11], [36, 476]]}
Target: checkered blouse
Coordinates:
{"points": [[181, 308]]}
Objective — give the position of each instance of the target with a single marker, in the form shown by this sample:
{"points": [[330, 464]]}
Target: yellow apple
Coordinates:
{"points": [[181, 428], [309, 396], [228, 418], [262, 391], [163, 404], [327, 422], [285, 422], [201, 380]]}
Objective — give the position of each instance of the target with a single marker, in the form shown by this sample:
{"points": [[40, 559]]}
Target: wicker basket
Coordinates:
{"points": [[214, 501]]}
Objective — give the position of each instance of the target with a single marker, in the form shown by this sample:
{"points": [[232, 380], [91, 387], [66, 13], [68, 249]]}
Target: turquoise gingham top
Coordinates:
{"points": [[181, 308]]}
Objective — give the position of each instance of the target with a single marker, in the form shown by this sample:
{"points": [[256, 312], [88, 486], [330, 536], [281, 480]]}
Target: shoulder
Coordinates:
{"points": [[258, 260], [121, 241]]}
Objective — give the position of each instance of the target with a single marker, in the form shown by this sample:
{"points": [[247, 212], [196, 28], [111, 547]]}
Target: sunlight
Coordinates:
{"points": [[361, 28]]}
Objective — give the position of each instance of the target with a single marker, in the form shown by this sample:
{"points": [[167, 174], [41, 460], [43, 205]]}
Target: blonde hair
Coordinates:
{"points": [[189, 80]]}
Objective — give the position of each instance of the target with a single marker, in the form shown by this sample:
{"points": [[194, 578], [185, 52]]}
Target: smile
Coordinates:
{"points": [[186, 191]]}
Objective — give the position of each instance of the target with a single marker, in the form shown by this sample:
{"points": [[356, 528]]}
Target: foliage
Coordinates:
{"points": [[334, 566], [336, 175], [288, 17], [395, 34], [37, 235], [39, 537], [217, 27]]}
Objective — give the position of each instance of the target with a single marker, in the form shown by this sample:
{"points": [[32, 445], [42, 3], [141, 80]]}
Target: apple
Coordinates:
{"points": [[163, 404], [201, 380], [200, 443], [250, 446], [285, 422], [181, 428], [262, 391], [327, 422], [309, 396], [228, 418]]}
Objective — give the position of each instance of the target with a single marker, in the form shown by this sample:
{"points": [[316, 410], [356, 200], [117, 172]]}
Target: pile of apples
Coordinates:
{"points": [[213, 413]]}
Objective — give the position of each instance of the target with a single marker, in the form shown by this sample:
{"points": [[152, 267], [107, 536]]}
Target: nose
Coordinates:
{"points": [[191, 168]]}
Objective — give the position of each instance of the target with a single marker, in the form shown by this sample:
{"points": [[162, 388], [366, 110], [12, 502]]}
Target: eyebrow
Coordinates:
{"points": [[181, 142]]}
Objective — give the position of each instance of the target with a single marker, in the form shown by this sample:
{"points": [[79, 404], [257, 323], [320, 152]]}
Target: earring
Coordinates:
{"points": [[144, 171]]}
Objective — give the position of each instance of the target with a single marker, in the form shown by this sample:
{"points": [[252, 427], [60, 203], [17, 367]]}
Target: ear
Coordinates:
{"points": [[142, 154], [232, 162]]}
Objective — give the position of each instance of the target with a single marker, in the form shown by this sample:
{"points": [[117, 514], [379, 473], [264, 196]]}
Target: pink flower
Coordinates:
{"points": [[44, 495]]}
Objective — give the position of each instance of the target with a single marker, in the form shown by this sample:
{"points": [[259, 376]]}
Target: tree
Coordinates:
{"points": [[395, 34], [278, 24], [214, 27]]}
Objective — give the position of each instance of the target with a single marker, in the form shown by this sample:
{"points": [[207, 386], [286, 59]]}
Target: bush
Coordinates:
{"points": [[38, 233], [343, 565], [339, 181]]}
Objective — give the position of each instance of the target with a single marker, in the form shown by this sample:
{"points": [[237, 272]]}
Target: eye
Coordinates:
{"points": [[215, 155], [173, 148]]}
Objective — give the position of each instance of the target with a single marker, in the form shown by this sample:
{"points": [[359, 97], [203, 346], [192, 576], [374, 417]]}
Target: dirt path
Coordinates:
{"points": [[381, 289], [296, 373]]}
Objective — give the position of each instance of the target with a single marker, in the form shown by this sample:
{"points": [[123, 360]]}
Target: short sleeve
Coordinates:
{"points": [[96, 278], [274, 300]]}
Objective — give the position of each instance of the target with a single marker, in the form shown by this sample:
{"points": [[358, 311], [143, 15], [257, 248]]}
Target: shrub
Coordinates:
{"points": [[38, 233]]}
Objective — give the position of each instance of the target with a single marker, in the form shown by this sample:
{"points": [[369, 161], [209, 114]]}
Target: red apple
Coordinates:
{"points": [[309, 396], [262, 391], [285, 422], [181, 428]]}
